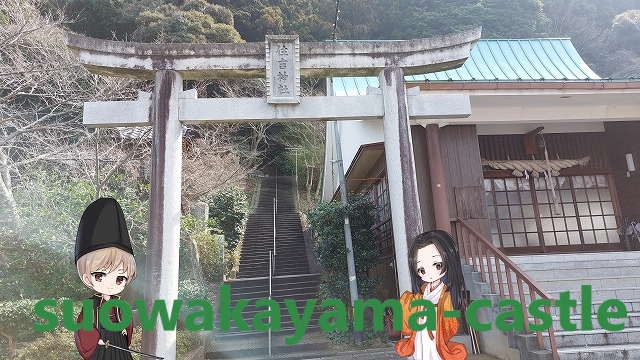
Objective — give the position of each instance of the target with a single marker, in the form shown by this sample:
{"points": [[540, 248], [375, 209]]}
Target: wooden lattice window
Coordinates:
{"points": [[381, 196], [523, 212]]}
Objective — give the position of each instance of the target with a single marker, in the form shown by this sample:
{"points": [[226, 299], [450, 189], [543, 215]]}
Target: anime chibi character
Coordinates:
{"points": [[105, 264], [436, 276]]}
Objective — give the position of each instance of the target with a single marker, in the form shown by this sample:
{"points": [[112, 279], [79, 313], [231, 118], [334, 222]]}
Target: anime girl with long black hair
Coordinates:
{"points": [[436, 276]]}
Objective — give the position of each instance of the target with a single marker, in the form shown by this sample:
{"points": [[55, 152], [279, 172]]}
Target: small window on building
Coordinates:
{"points": [[381, 199]]}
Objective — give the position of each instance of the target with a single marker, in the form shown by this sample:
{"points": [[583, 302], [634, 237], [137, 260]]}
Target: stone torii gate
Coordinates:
{"points": [[282, 59]]}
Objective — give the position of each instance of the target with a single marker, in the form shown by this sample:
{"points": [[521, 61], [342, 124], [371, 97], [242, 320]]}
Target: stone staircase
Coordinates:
{"points": [[292, 279], [611, 275]]}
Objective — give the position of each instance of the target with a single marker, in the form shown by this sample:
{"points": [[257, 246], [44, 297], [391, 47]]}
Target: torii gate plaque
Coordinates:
{"points": [[170, 107]]}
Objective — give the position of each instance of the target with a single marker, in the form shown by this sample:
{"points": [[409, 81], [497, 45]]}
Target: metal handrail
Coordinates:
{"points": [[270, 293], [275, 206], [474, 248]]}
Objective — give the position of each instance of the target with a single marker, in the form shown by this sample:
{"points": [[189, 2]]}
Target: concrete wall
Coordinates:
{"points": [[492, 342], [353, 134]]}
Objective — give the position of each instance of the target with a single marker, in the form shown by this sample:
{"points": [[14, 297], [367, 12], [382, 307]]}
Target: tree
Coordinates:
{"points": [[304, 156], [327, 222], [17, 321], [601, 31], [270, 21], [195, 21], [626, 26], [103, 19], [213, 161], [42, 89], [508, 19], [228, 209]]}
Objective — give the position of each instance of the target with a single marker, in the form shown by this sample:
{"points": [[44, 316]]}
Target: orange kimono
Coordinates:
{"points": [[446, 328]]}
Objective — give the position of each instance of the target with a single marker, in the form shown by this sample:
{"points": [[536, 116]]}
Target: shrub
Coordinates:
{"points": [[50, 205], [210, 249], [228, 209], [369, 335], [17, 321], [60, 345], [327, 222], [190, 290], [186, 342], [18, 318], [27, 269]]}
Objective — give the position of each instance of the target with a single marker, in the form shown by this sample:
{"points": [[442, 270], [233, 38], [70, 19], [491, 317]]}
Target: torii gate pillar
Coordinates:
{"points": [[403, 196], [164, 206]]}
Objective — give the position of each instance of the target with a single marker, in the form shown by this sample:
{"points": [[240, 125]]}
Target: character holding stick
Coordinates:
{"points": [[105, 263], [436, 276]]}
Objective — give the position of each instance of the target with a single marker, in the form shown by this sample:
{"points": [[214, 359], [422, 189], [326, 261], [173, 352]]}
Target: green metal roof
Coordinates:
{"points": [[498, 60]]}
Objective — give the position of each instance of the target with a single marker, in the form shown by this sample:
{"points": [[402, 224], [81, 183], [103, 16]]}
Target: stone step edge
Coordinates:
{"points": [[593, 316], [577, 279], [577, 291], [590, 332], [578, 349]]}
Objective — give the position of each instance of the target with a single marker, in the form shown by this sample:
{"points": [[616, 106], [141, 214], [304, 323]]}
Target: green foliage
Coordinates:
{"points": [[39, 254], [508, 19], [270, 21], [327, 221], [310, 19], [599, 29], [105, 19], [188, 290], [335, 285], [18, 318], [194, 22], [369, 335], [58, 344], [210, 249], [229, 209], [186, 342], [29, 272], [191, 290]]}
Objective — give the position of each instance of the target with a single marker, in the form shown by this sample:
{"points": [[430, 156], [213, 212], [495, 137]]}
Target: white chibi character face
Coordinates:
{"points": [[429, 264], [107, 282]]}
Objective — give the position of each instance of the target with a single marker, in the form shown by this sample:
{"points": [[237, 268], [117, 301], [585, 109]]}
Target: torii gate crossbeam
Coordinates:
{"points": [[170, 106]]}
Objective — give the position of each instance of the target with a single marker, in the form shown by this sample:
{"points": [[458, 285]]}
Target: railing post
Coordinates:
{"points": [[481, 251], [270, 292], [275, 205]]}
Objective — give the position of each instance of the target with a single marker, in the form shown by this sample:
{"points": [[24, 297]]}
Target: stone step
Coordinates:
{"points": [[251, 257], [599, 352], [553, 261], [631, 321], [597, 337], [597, 294], [255, 294], [253, 345], [575, 284], [262, 272], [574, 271]]}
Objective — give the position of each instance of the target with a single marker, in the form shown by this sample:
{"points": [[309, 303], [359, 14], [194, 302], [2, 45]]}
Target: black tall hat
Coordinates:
{"points": [[102, 225]]}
